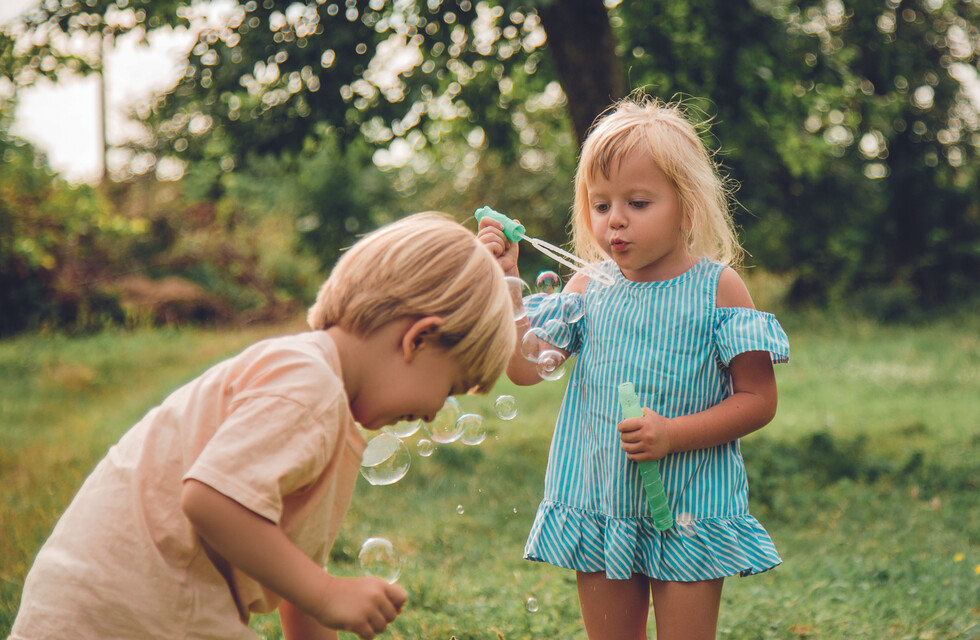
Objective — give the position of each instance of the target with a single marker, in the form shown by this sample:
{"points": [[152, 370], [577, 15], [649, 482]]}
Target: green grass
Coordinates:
{"points": [[867, 480]]}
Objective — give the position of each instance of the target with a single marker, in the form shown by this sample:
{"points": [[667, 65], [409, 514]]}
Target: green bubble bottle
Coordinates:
{"points": [[515, 232], [649, 472]]}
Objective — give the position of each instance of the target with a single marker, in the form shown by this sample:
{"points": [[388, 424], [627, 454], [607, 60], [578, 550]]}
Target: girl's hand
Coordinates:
{"points": [[491, 234], [645, 439], [364, 606]]}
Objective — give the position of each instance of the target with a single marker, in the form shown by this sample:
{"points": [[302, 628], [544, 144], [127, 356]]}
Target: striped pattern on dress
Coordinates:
{"points": [[674, 345]]}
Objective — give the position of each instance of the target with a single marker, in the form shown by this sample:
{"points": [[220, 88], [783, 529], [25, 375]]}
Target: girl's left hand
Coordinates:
{"points": [[645, 439]]}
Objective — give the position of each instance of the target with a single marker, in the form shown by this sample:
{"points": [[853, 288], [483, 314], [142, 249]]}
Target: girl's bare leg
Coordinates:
{"points": [[614, 608], [686, 610]]}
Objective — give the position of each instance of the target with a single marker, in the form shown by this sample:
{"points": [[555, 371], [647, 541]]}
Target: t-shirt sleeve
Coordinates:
{"points": [[558, 317], [740, 330], [265, 449]]}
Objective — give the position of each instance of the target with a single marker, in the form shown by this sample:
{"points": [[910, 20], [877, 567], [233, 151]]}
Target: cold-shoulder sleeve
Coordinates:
{"points": [[558, 317], [739, 330]]}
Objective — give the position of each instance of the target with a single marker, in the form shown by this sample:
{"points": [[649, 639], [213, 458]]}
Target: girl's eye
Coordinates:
{"points": [[638, 204], [600, 207]]}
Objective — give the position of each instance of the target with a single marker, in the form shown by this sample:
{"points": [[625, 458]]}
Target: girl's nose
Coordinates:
{"points": [[617, 217]]}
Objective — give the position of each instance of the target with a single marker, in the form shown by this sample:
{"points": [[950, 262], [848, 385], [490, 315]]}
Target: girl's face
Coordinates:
{"points": [[636, 218]]}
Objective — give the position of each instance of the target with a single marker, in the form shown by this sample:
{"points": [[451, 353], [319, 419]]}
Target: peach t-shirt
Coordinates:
{"points": [[270, 428]]}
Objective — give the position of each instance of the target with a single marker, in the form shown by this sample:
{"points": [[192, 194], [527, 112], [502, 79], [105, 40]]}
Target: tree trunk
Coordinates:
{"points": [[583, 49]]}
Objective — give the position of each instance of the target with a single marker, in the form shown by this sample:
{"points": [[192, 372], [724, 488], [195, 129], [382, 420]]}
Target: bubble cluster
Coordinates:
{"points": [[385, 460], [379, 558], [505, 407]]}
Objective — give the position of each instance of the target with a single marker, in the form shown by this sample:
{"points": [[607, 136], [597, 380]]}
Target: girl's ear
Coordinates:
{"points": [[417, 333]]}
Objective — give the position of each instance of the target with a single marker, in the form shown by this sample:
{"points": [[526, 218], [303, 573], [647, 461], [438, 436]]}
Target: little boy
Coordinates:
{"points": [[224, 500]]}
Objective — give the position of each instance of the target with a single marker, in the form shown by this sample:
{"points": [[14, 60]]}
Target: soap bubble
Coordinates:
{"points": [[474, 428], [425, 447], [551, 365], [558, 333], [518, 289], [534, 342], [505, 407], [385, 460], [445, 427], [404, 429], [684, 523], [548, 282], [379, 558], [460, 510], [531, 604], [571, 308]]}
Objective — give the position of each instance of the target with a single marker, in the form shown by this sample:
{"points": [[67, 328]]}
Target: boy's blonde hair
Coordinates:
{"points": [[664, 131], [425, 265]]}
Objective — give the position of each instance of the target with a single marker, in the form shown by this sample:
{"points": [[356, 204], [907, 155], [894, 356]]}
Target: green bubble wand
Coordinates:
{"points": [[649, 472], [515, 232]]}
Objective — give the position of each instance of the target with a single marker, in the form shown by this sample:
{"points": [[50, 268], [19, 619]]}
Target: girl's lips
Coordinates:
{"points": [[618, 245]]}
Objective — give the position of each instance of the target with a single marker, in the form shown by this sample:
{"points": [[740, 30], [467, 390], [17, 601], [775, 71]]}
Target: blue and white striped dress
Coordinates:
{"points": [[670, 340]]}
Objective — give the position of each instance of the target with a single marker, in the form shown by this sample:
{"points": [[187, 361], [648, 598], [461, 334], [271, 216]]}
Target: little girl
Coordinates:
{"points": [[224, 500], [652, 210]]}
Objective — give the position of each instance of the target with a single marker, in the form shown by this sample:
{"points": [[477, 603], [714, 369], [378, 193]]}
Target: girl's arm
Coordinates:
{"points": [[262, 550], [522, 371], [491, 235], [751, 406]]}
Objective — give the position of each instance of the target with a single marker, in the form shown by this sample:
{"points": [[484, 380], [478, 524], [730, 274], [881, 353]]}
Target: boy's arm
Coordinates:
{"points": [[259, 548], [297, 625]]}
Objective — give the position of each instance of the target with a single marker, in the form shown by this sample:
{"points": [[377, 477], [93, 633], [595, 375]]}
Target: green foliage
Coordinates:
{"points": [[82, 258], [270, 78], [854, 146], [52, 236], [844, 123], [821, 104]]}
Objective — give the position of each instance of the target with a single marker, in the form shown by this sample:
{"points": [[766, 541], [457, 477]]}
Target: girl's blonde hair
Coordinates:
{"points": [[665, 132], [425, 265]]}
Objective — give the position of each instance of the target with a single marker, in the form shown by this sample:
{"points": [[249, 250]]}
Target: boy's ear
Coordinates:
{"points": [[417, 333]]}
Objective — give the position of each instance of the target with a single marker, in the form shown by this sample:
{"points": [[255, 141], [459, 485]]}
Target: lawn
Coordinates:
{"points": [[867, 480]]}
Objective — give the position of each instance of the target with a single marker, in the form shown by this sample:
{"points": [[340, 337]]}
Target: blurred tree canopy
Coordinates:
{"points": [[845, 122]]}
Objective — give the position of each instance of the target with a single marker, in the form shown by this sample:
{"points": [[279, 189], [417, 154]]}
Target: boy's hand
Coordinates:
{"points": [[491, 234], [364, 606], [645, 439]]}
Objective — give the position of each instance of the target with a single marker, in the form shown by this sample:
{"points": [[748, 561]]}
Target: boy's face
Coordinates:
{"points": [[412, 388]]}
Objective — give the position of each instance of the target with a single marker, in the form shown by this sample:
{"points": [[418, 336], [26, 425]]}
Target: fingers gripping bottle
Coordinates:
{"points": [[649, 472]]}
